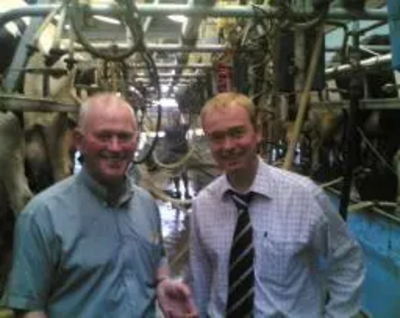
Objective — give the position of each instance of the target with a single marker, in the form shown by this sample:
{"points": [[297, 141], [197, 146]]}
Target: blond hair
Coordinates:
{"points": [[227, 100]]}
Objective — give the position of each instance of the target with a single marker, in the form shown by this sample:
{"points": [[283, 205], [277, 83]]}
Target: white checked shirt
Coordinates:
{"points": [[303, 249]]}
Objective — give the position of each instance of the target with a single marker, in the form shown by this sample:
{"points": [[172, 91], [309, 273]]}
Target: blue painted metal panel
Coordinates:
{"points": [[394, 26], [379, 237], [335, 36]]}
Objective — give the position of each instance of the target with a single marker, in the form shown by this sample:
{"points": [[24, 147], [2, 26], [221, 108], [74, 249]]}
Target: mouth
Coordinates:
{"points": [[231, 161], [231, 156], [114, 161]]}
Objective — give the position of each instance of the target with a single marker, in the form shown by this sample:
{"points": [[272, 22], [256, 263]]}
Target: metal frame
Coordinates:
{"points": [[192, 11], [372, 104], [21, 53]]}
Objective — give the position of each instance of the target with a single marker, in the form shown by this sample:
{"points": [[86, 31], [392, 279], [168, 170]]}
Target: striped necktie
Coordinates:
{"points": [[241, 270]]}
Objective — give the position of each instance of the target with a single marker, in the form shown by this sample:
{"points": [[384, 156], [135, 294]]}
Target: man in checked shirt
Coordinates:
{"points": [[305, 264]]}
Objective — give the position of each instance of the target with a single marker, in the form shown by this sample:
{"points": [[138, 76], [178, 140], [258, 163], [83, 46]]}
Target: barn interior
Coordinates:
{"points": [[324, 76]]}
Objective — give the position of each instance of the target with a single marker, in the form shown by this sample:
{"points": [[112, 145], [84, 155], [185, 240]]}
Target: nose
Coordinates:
{"points": [[228, 143], [114, 144]]}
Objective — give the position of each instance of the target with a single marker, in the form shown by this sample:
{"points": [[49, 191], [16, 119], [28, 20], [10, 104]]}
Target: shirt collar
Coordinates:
{"points": [[119, 196], [262, 184]]}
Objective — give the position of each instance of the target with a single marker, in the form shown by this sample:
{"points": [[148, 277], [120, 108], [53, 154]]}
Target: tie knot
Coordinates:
{"points": [[241, 200]]}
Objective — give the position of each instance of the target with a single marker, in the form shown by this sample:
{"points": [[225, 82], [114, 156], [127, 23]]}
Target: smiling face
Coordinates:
{"points": [[233, 139], [107, 139]]}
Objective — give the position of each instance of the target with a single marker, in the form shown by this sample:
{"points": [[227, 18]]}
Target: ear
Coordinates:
{"points": [[259, 137], [77, 136], [259, 134]]}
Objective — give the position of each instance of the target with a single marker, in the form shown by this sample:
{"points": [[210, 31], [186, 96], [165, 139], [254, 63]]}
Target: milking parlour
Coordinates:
{"points": [[323, 76]]}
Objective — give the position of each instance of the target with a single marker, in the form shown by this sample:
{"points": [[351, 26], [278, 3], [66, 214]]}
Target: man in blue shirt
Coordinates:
{"points": [[91, 245]]}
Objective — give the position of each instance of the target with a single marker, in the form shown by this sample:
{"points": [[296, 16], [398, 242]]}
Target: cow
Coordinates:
{"points": [[30, 139], [378, 131], [51, 130], [14, 188]]}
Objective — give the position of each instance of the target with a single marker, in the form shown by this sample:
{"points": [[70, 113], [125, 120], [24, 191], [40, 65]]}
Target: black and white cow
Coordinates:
{"points": [[29, 140], [378, 131]]}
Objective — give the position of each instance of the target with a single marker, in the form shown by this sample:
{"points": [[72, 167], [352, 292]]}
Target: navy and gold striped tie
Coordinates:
{"points": [[241, 270]]}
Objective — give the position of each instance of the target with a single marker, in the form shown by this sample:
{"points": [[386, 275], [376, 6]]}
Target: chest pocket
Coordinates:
{"points": [[278, 262], [147, 256]]}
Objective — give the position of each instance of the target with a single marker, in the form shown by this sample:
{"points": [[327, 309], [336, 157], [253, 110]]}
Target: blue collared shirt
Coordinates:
{"points": [[303, 249], [77, 254]]}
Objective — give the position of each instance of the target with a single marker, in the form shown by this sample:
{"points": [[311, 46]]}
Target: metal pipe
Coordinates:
{"points": [[172, 76], [377, 60], [190, 34], [201, 11], [374, 48], [170, 48], [372, 27], [362, 30], [304, 98], [211, 48], [371, 104], [175, 66], [153, 47], [23, 103], [148, 20], [182, 81], [373, 209]]}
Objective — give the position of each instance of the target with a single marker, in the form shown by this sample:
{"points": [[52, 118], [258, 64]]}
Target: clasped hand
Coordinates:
{"points": [[175, 299]]}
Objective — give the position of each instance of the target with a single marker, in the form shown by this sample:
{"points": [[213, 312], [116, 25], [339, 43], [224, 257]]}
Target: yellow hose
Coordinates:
{"points": [[305, 96]]}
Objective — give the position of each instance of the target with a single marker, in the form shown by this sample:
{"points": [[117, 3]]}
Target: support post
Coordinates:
{"points": [[351, 144]]}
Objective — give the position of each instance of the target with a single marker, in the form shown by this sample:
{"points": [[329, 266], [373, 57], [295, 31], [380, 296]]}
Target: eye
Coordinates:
{"points": [[104, 136], [216, 137], [125, 137], [237, 132]]}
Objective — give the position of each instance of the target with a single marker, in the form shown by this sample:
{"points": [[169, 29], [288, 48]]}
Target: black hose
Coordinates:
{"points": [[130, 14], [352, 145], [152, 69], [149, 152]]}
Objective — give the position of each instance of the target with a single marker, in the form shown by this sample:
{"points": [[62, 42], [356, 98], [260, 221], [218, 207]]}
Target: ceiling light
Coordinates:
{"points": [[107, 19], [178, 18], [168, 103]]}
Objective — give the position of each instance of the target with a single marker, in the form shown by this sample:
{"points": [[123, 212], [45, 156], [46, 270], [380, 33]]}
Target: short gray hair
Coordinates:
{"points": [[107, 100]]}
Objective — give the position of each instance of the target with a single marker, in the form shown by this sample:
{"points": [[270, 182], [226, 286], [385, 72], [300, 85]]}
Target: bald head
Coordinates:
{"points": [[103, 102]]}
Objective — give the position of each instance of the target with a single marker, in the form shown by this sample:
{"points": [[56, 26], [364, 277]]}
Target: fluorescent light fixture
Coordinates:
{"points": [[164, 89], [152, 134], [13, 4], [195, 132], [108, 20], [168, 103], [199, 132], [178, 18]]}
